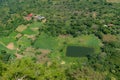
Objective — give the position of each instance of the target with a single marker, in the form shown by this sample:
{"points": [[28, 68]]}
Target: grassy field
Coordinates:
{"points": [[7, 40], [13, 34], [57, 45], [45, 42], [23, 43], [84, 40], [91, 41], [35, 25], [29, 32], [32, 28], [2, 47]]}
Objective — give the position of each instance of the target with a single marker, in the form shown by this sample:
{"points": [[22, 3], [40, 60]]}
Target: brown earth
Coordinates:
{"points": [[33, 37], [109, 38], [18, 35], [21, 28], [11, 46], [42, 58], [18, 56]]}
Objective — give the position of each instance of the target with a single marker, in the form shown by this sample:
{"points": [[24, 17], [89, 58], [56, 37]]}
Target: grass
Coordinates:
{"points": [[57, 45], [7, 40], [84, 40], [29, 31], [13, 34], [2, 47], [45, 42], [91, 41], [35, 25], [23, 42]]}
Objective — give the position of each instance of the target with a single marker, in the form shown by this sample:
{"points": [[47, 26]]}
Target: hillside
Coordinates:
{"points": [[59, 40]]}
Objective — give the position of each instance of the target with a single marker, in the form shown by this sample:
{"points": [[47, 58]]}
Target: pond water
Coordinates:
{"points": [[78, 51]]}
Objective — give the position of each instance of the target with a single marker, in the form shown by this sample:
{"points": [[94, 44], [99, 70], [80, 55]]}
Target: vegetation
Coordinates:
{"points": [[33, 49]]}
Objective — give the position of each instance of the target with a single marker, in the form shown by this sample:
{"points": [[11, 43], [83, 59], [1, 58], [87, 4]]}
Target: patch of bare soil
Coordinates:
{"points": [[29, 49], [29, 52], [42, 58], [18, 35], [63, 62], [21, 28], [44, 51], [109, 38], [11, 46], [44, 20], [33, 37], [63, 36], [34, 29], [18, 56]]}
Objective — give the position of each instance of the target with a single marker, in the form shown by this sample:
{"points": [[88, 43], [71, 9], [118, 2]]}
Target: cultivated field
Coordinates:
{"points": [[33, 43]]}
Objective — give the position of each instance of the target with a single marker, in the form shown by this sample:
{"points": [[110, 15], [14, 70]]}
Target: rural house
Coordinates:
{"points": [[35, 17], [29, 17]]}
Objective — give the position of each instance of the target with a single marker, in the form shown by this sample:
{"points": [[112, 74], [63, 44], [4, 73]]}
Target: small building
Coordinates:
{"points": [[29, 17], [40, 18], [35, 17]]}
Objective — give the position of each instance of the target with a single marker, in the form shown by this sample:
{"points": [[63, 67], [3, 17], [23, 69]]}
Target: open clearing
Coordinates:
{"points": [[45, 42], [44, 51], [18, 56], [28, 42], [83, 40], [2, 47], [21, 28], [11, 46], [109, 38]]}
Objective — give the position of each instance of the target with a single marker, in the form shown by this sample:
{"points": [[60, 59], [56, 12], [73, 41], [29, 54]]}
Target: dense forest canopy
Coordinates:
{"points": [[35, 49]]}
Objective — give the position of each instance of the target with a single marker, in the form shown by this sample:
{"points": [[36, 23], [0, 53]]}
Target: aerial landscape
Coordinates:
{"points": [[59, 39]]}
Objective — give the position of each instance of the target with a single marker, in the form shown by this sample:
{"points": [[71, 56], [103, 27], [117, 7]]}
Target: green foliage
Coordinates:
{"points": [[27, 69], [78, 22]]}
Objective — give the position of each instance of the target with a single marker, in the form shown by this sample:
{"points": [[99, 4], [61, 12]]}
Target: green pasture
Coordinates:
{"points": [[7, 40], [90, 41], [46, 42], [84, 40], [29, 30], [2, 47], [23, 43], [13, 34], [35, 25]]}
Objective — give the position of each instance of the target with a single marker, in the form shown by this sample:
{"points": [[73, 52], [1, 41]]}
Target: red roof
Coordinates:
{"points": [[30, 15]]}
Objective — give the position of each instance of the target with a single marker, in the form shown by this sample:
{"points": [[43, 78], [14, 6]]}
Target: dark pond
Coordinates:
{"points": [[78, 51]]}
